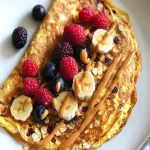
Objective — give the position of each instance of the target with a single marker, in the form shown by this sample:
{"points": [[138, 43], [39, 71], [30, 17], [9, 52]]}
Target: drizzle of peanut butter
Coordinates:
{"points": [[28, 101], [43, 116], [65, 104], [96, 97], [93, 110], [58, 85], [84, 56]]}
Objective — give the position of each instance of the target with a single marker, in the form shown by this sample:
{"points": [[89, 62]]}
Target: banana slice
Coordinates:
{"points": [[86, 88], [21, 108], [71, 107], [106, 45]]}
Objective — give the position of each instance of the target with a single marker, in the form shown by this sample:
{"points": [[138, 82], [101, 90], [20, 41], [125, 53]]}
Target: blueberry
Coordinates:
{"points": [[107, 61], [30, 132], [38, 12], [49, 71], [84, 109], [116, 40], [115, 90], [40, 113], [56, 85], [82, 53]]}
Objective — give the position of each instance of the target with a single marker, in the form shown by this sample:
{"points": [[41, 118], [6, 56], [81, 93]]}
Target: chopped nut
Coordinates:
{"points": [[70, 125], [3, 110], [63, 128], [86, 145], [100, 6], [100, 72], [38, 125], [75, 148], [86, 131], [58, 133], [94, 71], [36, 137], [121, 28], [37, 131], [26, 146], [44, 130], [47, 120], [96, 123]]}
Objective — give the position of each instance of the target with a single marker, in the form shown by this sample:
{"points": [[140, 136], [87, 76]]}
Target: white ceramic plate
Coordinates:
{"points": [[18, 13]]}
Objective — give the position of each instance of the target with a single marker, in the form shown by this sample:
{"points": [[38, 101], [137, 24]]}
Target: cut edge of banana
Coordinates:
{"points": [[105, 46], [21, 108], [70, 110], [86, 90]]}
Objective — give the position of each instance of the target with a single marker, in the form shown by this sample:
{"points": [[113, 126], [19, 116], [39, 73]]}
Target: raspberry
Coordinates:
{"points": [[62, 50], [30, 86], [68, 68], [86, 15], [29, 68], [19, 37], [101, 20], [43, 96], [74, 33]]}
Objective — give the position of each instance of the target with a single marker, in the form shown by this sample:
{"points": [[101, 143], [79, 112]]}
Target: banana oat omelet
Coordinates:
{"points": [[96, 102]]}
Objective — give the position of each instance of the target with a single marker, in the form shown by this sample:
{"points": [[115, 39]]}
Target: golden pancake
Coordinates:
{"points": [[115, 74]]}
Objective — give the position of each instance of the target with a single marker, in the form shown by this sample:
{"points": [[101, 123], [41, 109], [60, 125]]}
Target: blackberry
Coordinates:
{"points": [[62, 50], [19, 37]]}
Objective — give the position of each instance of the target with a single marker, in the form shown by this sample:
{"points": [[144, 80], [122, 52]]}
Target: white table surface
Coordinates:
{"points": [[15, 13]]}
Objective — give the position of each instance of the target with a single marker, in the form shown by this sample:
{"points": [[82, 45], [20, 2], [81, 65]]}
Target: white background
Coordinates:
{"points": [[15, 13]]}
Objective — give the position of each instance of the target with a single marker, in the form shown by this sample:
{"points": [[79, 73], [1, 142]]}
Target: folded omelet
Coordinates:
{"points": [[115, 74]]}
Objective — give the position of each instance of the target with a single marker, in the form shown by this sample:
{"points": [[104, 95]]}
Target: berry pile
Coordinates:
{"points": [[65, 60]]}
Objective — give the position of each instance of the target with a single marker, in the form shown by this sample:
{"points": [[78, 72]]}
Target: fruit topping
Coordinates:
{"points": [[43, 96], [107, 61], [20, 109], [19, 37], [68, 68], [74, 33], [56, 85], [83, 85], [86, 15], [49, 71], [115, 90], [84, 109], [116, 40], [30, 86], [30, 132], [29, 68], [102, 45], [62, 50], [49, 129], [101, 20], [82, 53], [72, 106], [38, 12], [40, 113]]}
